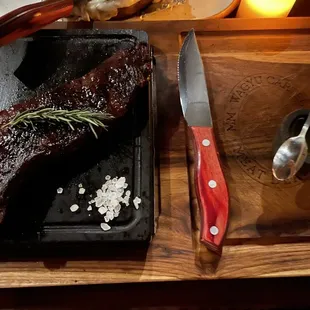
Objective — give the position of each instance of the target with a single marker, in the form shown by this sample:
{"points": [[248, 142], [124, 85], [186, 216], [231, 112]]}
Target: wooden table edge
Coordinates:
{"points": [[177, 27]]}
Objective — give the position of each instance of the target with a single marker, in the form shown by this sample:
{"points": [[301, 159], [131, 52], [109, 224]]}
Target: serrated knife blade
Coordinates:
{"points": [[210, 184], [192, 84]]}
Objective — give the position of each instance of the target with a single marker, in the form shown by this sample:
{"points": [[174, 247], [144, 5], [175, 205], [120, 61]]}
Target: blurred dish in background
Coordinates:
{"points": [[102, 10], [153, 9], [188, 9]]}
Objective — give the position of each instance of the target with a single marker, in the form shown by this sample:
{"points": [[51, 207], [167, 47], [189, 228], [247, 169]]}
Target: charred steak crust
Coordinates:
{"points": [[111, 87]]}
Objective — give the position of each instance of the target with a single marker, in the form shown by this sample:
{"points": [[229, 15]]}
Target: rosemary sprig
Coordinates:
{"points": [[69, 117]]}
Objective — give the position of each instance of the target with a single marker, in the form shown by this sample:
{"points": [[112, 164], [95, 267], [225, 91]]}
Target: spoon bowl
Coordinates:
{"points": [[289, 158], [291, 155]]}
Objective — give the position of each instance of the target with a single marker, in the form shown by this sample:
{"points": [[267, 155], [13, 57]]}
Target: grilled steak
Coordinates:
{"points": [[111, 87]]}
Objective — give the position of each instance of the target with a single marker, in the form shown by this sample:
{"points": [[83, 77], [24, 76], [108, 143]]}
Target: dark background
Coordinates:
{"points": [[213, 294]]}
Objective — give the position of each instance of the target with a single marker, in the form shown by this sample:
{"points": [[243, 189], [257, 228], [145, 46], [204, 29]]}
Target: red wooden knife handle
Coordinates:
{"points": [[211, 189]]}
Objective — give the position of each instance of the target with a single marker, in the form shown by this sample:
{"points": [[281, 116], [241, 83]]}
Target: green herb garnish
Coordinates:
{"points": [[61, 116]]}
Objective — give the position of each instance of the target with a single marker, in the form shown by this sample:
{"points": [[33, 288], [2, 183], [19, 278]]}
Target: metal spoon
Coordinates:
{"points": [[291, 155]]}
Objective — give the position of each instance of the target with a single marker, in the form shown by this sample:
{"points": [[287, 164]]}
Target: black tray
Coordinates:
{"points": [[40, 216]]}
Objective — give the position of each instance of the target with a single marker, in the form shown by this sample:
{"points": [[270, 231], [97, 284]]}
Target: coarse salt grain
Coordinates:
{"points": [[80, 185], [102, 210], [117, 208], [110, 197], [110, 215], [136, 202], [60, 190], [99, 193], [99, 202], [126, 200], [114, 203], [89, 208], [74, 208], [82, 191], [120, 182], [105, 226]]}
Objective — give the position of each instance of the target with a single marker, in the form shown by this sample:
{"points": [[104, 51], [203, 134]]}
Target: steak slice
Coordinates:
{"points": [[111, 87]]}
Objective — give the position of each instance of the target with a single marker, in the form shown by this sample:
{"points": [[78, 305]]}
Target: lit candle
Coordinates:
{"points": [[264, 8]]}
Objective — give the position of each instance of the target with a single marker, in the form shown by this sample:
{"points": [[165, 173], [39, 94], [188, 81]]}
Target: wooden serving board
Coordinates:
{"points": [[255, 80], [257, 72]]}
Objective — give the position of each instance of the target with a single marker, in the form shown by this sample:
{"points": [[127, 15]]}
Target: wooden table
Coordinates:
{"points": [[175, 254]]}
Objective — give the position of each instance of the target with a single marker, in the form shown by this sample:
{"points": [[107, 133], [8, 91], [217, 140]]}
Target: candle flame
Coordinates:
{"points": [[271, 8]]}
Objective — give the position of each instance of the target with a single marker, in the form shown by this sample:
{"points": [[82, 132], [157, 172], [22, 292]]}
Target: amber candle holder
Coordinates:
{"points": [[264, 8]]}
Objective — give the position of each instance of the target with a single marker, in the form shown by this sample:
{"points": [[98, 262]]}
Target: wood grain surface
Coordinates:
{"points": [[268, 77], [256, 75]]}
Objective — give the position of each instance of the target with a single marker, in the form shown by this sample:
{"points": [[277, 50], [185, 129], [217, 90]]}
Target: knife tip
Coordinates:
{"points": [[191, 35]]}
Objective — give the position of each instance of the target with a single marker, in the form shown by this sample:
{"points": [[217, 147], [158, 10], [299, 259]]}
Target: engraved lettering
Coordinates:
{"points": [[258, 79], [280, 83], [260, 173], [287, 86], [271, 79], [250, 81], [245, 86], [252, 169], [240, 93], [244, 159], [234, 98], [231, 122]]}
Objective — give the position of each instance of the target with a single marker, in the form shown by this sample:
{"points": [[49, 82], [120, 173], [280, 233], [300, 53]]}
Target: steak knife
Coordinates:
{"points": [[210, 184]]}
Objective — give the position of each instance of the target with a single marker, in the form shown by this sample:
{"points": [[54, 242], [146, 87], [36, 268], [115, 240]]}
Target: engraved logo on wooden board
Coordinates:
{"points": [[255, 109]]}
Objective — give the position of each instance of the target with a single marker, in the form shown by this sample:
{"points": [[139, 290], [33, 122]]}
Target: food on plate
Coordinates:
{"points": [[108, 9], [60, 121]]}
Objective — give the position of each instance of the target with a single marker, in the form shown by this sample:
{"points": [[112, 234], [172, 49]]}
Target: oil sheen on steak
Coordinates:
{"points": [[111, 87]]}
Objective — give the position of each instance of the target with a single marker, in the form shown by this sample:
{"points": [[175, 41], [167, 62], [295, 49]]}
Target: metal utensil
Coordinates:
{"points": [[291, 155], [210, 184]]}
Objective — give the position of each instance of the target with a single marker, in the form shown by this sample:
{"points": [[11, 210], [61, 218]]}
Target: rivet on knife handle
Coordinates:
{"points": [[211, 189]]}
